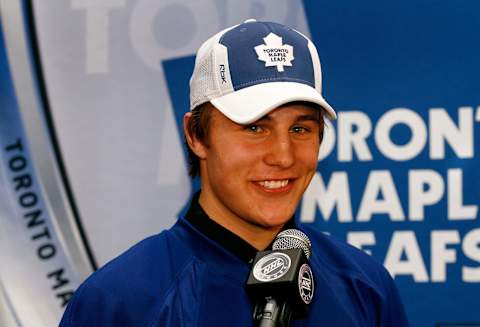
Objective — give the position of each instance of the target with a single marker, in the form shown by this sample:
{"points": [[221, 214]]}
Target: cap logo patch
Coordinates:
{"points": [[274, 53]]}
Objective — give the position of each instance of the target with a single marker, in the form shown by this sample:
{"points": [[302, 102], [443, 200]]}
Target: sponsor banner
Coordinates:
{"points": [[36, 276], [398, 172]]}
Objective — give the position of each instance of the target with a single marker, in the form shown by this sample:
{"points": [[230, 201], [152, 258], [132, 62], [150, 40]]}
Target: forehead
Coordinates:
{"points": [[296, 110], [293, 110]]}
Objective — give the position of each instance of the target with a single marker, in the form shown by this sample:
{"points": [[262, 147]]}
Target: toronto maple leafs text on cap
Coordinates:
{"points": [[274, 53]]}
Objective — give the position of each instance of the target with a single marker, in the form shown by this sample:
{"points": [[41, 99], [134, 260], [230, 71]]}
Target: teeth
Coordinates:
{"points": [[274, 184]]}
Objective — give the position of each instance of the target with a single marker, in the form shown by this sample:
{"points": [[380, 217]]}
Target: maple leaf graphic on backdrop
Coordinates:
{"points": [[274, 53]]}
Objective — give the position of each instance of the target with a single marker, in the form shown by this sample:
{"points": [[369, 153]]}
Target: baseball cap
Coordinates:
{"points": [[249, 69]]}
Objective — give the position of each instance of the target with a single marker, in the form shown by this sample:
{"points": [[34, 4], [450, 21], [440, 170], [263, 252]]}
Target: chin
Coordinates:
{"points": [[275, 220]]}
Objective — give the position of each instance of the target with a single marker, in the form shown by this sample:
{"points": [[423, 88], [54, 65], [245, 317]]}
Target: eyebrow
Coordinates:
{"points": [[315, 118], [300, 118]]}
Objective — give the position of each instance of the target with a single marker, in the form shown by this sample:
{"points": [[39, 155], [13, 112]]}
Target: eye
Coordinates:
{"points": [[253, 128], [300, 129]]}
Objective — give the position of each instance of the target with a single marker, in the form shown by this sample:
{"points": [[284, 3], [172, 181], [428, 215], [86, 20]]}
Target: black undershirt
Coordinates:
{"points": [[233, 243]]}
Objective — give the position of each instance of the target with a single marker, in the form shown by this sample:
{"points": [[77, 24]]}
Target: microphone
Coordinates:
{"points": [[281, 284]]}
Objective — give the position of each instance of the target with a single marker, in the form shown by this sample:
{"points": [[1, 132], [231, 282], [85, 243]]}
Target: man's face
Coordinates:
{"points": [[255, 175]]}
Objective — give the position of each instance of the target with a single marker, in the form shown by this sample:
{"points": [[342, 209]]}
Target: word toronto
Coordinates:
{"points": [[276, 54], [29, 202], [425, 180]]}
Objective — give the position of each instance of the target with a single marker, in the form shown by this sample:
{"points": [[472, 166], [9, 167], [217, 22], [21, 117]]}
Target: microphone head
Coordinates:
{"points": [[293, 239]]}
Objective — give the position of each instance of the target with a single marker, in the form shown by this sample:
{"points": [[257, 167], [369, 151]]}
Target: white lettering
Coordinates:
{"points": [[353, 129], [442, 129], [471, 248], [328, 142], [405, 242], [441, 255], [96, 35], [419, 196], [380, 183], [456, 209], [337, 193], [400, 152]]}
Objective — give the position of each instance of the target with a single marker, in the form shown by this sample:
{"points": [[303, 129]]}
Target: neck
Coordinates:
{"points": [[260, 237]]}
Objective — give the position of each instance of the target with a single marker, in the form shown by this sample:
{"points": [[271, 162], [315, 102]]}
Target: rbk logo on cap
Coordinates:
{"points": [[274, 53]]}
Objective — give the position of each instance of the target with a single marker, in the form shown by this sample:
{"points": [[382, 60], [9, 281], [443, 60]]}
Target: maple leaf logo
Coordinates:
{"points": [[274, 53]]}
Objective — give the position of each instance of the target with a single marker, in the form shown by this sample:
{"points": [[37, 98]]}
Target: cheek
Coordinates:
{"points": [[227, 163], [235, 155], [308, 155]]}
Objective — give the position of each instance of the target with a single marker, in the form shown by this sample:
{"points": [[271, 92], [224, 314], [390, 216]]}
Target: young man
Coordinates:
{"points": [[254, 132]]}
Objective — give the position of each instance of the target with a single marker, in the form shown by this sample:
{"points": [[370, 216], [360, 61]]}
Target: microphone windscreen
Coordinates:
{"points": [[293, 239]]}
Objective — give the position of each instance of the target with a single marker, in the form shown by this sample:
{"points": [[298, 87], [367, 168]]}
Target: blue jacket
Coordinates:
{"points": [[182, 277]]}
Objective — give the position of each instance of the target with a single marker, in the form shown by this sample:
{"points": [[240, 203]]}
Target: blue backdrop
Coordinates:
{"points": [[405, 189]]}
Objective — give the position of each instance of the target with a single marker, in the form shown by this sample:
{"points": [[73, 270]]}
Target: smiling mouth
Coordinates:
{"points": [[274, 185]]}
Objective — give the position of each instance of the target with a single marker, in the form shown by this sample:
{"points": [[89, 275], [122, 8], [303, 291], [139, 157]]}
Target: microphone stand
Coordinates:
{"points": [[273, 313]]}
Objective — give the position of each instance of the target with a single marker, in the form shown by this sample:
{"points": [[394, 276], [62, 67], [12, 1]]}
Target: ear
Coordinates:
{"points": [[193, 142]]}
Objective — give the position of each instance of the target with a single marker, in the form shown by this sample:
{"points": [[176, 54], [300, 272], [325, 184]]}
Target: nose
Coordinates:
{"points": [[280, 151]]}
